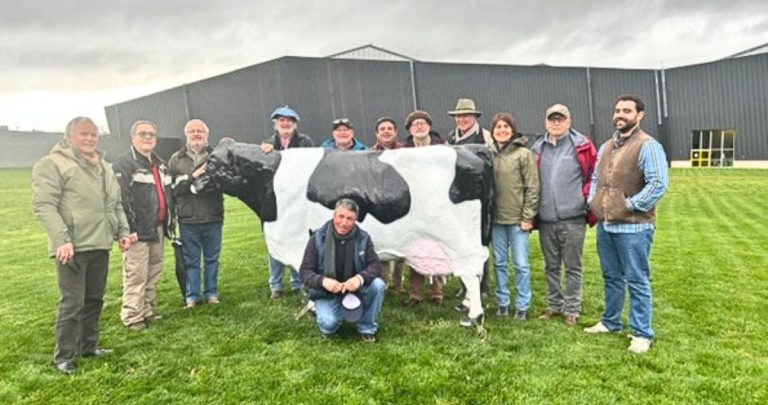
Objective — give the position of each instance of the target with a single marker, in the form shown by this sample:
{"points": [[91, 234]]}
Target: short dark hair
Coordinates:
{"points": [[506, 117], [639, 105], [383, 120]]}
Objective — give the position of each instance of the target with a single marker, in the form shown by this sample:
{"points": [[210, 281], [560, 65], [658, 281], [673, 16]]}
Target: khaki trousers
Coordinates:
{"points": [[142, 266]]}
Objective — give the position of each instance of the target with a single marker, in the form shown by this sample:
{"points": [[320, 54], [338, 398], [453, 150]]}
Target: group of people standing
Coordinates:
{"points": [[85, 202], [558, 185]]}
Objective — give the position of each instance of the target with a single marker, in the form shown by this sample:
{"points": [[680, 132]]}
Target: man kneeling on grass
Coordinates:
{"points": [[342, 272]]}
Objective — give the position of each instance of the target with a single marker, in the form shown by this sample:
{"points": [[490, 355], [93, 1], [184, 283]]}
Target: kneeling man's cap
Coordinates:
{"points": [[351, 307]]}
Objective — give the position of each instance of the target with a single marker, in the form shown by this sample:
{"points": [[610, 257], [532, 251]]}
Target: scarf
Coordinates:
{"points": [[346, 252]]}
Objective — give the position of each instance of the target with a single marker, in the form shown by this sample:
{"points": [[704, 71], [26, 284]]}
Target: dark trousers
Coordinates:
{"points": [[562, 244], [82, 282]]}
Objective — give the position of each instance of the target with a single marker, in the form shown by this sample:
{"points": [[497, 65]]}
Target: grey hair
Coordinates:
{"points": [[205, 126], [139, 122], [349, 204], [75, 121]]}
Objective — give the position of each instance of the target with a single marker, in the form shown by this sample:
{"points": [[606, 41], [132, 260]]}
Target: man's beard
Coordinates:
{"points": [[627, 126]]}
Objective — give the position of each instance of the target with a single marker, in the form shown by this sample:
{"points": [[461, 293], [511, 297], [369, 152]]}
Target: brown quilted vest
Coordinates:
{"points": [[618, 178]]}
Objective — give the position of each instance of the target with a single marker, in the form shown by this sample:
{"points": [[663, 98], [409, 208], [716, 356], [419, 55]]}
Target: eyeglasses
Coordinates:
{"points": [[419, 123], [146, 135]]}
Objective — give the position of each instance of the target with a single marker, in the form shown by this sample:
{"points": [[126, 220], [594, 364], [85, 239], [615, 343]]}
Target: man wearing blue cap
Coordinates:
{"points": [[286, 135], [339, 260]]}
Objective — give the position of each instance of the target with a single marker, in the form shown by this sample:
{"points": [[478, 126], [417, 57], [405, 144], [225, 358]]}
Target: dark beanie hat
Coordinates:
{"points": [[416, 115]]}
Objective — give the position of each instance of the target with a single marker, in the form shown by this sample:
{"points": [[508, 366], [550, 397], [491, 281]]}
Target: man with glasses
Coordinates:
{"points": [[566, 159], [74, 181], [200, 216], [343, 136], [146, 193], [286, 136], [419, 125]]}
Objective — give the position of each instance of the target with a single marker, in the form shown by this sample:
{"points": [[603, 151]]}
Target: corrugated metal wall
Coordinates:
{"points": [[238, 104], [730, 94], [525, 91], [609, 84]]}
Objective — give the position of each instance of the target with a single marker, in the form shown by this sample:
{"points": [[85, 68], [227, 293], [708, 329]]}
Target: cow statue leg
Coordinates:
{"points": [[472, 301]]}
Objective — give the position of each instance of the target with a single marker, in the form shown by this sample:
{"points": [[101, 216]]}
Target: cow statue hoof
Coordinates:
{"points": [[476, 323]]}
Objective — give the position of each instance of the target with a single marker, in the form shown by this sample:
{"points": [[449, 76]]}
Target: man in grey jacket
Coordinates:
{"points": [[566, 159], [75, 184]]}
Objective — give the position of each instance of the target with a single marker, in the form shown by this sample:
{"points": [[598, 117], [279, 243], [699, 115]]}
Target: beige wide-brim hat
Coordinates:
{"points": [[465, 106]]}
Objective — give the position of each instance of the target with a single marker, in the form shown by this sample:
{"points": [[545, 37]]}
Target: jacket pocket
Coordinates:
{"points": [[615, 205]]}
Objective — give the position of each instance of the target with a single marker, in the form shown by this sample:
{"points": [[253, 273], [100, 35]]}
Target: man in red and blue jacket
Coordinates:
{"points": [[566, 160]]}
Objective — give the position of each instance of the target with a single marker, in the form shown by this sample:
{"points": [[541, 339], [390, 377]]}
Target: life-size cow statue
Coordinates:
{"points": [[430, 206]]}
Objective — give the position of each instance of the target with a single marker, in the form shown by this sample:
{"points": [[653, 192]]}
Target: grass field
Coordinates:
{"points": [[710, 279]]}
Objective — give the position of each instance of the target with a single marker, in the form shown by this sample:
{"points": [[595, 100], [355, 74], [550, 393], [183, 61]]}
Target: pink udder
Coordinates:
{"points": [[427, 257]]}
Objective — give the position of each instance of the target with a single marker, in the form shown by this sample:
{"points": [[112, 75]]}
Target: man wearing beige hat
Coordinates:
{"points": [[566, 159], [468, 131]]}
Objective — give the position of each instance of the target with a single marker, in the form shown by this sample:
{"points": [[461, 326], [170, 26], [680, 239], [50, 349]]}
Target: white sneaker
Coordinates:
{"points": [[597, 328], [639, 345]]}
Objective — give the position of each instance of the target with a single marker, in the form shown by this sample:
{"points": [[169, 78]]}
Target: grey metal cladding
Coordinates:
{"points": [[165, 109], [728, 94], [526, 91], [609, 84]]}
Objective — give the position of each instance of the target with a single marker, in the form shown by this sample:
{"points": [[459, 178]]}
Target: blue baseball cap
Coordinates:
{"points": [[287, 112]]}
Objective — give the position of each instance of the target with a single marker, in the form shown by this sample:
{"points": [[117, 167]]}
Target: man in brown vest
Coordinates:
{"points": [[630, 179]]}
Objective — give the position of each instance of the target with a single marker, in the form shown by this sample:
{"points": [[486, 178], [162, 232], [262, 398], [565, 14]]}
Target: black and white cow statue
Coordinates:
{"points": [[430, 206]]}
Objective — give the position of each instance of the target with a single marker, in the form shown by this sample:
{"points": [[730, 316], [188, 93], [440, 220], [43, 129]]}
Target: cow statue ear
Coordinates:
{"points": [[311, 232]]}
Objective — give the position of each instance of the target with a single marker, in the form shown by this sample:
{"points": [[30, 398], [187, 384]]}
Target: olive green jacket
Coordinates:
{"points": [[76, 202], [516, 181]]}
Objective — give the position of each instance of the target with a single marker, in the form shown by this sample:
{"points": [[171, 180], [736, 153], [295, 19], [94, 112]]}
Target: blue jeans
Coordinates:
{"points": [[504, 238], [202, 239], [276, 276], [328, 311], [624, 263]]}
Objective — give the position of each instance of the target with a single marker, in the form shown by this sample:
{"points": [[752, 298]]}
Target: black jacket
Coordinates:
{"points": [[140, 202], [298, 140], [193, 208]]}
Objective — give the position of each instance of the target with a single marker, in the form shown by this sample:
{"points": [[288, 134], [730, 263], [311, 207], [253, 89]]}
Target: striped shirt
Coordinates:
{"points": [[653, 164]]}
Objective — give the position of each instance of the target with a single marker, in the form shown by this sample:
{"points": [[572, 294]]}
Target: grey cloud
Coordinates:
{"points": [[66, 44]]}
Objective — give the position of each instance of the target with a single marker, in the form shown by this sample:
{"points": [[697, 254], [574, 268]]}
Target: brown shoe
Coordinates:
{"points": [[437, 300], [138, 326], [548, 314], [570, 320]]}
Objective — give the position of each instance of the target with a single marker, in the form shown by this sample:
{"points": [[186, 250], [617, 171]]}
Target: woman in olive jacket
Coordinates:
{"points": [[516, 202]]}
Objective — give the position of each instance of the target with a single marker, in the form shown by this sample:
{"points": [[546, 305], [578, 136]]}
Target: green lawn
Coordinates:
{"points": [[710, 279]]}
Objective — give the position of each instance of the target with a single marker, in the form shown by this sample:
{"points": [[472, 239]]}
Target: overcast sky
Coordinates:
{"points": [[62, 58]]}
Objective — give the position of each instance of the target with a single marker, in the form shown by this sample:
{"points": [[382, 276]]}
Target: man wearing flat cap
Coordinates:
{"points": [[286, 136], [468, 131], [339, 260], [343, 136], [566, 159]]}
